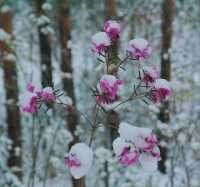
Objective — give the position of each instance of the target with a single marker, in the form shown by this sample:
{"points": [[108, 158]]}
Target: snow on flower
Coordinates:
{"points": [[139, 48], [149, 75], [47, 94], [113, 29], [161, 90], [126, 152], [100, 42], [33, 96], [79, 160], [108, 88], [137, 145], [28, 101], [143, 138]]}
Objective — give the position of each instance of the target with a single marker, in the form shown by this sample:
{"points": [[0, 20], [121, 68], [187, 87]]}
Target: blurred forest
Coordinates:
{"points": [[48, 42]]}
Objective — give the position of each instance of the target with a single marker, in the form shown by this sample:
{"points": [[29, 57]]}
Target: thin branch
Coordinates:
{"points": [[85, 116], [94, 125], [131, 98]]}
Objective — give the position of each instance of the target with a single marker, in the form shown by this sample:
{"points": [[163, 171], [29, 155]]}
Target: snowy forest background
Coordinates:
{"points": [[33, 34]]}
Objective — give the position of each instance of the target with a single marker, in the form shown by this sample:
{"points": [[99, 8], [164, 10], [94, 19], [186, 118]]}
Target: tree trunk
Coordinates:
{"points": [[11, 89], [111, 13], [67, 73], [45, 48], [112, 117], [132, 27], [112, 120], [167, 32]]}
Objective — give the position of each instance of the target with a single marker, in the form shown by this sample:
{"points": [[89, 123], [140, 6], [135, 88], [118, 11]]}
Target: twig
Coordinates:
{"points": [[134, 97], [86, 117], [94, 125], [124, 60], [35, 149], [49, 155], [187, 172]]}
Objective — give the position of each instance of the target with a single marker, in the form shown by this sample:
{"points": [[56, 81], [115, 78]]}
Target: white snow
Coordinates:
{"points": [[85, 155], [101, 38]]}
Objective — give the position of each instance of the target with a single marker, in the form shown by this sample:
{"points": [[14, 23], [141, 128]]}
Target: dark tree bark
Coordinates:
{"points": [[111, 14], [67, 73], [132, 27], [45, 48], [111, 11], [112, 117], [11, 89], [113, 120], [167, 32]]}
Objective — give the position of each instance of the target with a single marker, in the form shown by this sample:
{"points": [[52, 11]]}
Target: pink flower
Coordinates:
{"points": [[29, 102], [126, 152], [47, 94], [156, 152], [129, 157], [143, 138], [150, 142], [149, 75], [79, 160], [33, 88], [137, 145], [100, 42], [34, 96], [161, 90], [139, 48], [30, 87], [112, 28], [72, 161], [108, 88]]}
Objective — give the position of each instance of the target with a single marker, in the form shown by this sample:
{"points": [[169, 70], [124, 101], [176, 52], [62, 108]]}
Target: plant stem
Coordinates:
{"points": [[49, 156], [132, 97], [94, 124], [85, 116]]}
